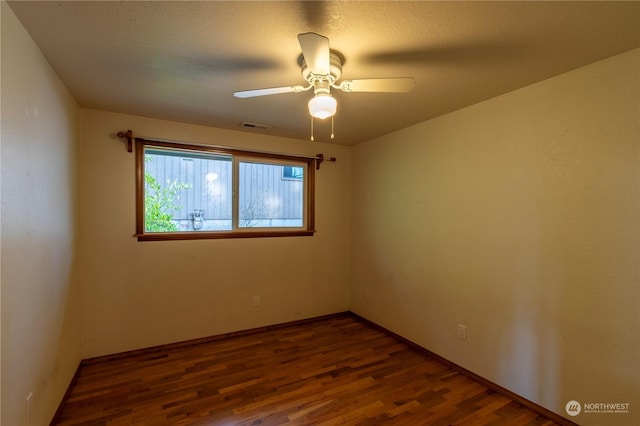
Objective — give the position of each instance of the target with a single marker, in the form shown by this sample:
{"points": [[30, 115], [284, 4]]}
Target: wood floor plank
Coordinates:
{"points": [[336, 370]]}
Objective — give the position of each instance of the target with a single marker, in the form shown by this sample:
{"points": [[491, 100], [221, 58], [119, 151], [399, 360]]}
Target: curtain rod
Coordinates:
{"points": [[128, 135]]}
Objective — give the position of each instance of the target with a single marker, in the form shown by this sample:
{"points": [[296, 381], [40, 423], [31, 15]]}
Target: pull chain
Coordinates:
{"points": [[332, 127], [312, 129], [332, 135]]}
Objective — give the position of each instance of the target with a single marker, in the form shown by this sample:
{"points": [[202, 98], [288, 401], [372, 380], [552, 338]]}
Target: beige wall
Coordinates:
{"points": [[139, 294], [518, 217], [40, 297]]}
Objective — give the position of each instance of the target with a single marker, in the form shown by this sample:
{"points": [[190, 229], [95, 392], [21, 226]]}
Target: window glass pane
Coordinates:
{"points": [[187, 191], [292, 172], [267, 198]]}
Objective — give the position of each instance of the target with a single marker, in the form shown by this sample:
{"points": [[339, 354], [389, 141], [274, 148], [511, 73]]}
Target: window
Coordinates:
{"points": [[194, 192], [292, 172]]}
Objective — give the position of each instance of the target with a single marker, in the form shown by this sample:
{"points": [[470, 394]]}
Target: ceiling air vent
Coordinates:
{"points": [[255, 126]]}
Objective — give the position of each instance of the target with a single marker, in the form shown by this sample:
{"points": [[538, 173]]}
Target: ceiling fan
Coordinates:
{"points": [[321, 68]]}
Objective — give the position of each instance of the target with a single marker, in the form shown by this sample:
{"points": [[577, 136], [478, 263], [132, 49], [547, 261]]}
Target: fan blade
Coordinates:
{"points": [[269, 91], [315, 49], [390, 85]]}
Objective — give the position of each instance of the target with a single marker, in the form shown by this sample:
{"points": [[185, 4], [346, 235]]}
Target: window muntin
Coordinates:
{"points": [[193, 192]]}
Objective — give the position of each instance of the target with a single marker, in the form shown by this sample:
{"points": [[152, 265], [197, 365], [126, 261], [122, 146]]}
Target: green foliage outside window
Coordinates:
{"points": [[159, 202]]}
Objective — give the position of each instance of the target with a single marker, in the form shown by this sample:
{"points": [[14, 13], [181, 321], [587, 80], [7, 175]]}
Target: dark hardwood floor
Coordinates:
{"points": [[336, 370]]}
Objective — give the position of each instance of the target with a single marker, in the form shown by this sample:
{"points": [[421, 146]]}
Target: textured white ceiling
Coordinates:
{"points": [[183, 60]]}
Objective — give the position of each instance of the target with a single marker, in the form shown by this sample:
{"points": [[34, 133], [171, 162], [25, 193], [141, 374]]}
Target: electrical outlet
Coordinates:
{"points": [[462, 332], [256, 301]]}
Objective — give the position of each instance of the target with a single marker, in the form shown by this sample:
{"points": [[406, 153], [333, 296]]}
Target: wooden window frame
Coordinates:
{"points": [[308, 229]]}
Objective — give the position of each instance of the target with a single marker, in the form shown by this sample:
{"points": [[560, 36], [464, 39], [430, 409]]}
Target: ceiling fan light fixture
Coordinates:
{"points": [[322, 106]]}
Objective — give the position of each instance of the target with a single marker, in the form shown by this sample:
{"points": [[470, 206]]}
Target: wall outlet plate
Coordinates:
{"points": [[462, 331], [256, 301]]}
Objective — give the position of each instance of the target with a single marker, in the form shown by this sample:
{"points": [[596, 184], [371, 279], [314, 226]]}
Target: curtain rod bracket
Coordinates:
{"points": [[128, 135], [320, 158]]}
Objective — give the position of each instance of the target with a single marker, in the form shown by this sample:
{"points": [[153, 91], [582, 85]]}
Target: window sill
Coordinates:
{"points": [[171, 236]]}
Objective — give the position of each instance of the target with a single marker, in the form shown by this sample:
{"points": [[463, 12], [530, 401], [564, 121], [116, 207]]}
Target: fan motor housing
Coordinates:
{"points": [[335, 68]]}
